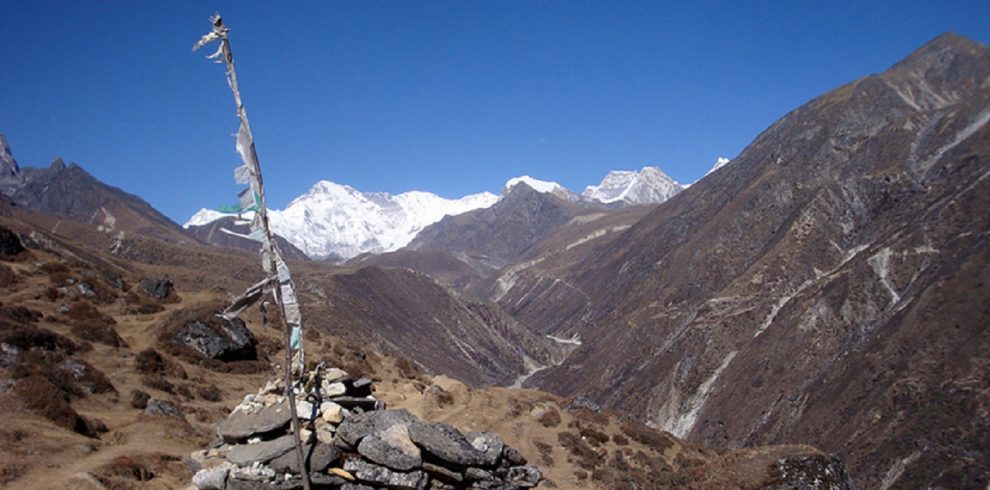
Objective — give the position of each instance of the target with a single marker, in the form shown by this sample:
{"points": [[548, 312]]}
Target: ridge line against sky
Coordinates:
{"points": [[448, 97]]}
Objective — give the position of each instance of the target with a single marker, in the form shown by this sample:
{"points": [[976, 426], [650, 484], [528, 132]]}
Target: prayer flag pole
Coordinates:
{"points": [[253, 199]]}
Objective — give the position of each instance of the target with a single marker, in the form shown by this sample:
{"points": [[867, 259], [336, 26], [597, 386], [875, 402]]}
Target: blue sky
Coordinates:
{"points": [[452, 97]]}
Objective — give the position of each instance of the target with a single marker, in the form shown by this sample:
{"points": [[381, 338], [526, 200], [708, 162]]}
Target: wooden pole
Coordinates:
{"points": [[251, 158]]}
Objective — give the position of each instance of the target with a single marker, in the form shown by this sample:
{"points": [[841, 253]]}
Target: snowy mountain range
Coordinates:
{"points": [[339, 222], [334, 221]]}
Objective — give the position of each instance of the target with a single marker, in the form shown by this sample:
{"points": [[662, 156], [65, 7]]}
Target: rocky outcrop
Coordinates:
{"points": [[10, 245], [159, 289], [351, 445], [217, 338], [8, 166]]}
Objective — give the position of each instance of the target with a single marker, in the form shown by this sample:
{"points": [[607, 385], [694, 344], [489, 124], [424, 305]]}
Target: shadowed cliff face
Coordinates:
{"points": [[827, 287]]}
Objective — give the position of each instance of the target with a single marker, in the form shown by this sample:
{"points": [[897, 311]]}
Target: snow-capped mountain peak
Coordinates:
{"points": [[333, 220], [537, 185], [649, 185]]}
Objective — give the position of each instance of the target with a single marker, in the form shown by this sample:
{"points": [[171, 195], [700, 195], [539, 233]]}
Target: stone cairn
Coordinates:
{"points": [[351, 442]]}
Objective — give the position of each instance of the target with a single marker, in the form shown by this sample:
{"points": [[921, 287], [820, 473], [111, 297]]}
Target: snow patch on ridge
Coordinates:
{"points": [[719, 163], [537, 185]]}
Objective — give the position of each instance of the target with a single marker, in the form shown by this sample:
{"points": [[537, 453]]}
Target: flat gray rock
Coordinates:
{"points": [[239, 425], [262, 452], [357, 427], [380, 475], [318, 458], [163, 408], [446, 443], [392, 448]]}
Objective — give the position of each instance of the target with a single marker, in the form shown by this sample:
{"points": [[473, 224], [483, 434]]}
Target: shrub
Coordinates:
{"points": [[657, 440], [550, 418], [210, 393], [584, 455], [595, 437], [158, 382], [149, 361], [42, 397], [99, 332], [84, 310], [139, 399], [545, 451]]}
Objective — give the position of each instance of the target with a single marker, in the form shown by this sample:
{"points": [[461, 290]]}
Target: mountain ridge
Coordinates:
{"points": [[750, 307]]}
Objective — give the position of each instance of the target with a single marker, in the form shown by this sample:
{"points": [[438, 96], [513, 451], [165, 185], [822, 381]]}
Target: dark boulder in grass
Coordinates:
{"points": [[10, 245], [160, 288], [218, 339]]}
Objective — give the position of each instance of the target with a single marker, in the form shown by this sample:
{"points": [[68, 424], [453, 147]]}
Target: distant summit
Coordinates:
{"points": [[649, 185], [543, 186]]}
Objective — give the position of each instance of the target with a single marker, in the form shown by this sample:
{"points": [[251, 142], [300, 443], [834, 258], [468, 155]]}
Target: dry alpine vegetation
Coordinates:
{"points": [[98, 393]]}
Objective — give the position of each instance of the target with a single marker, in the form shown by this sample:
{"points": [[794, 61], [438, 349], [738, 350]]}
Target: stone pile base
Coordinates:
{"points": [[351, 442]]}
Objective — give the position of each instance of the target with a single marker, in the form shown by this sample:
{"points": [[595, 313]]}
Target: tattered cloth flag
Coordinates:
{"points": [[278, 280], [252, 199]]}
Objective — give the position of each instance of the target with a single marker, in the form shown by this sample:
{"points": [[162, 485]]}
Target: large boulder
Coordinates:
{"points": [[158, 288], [223, 340], [359, 426], [10, 245], [162, 408]]}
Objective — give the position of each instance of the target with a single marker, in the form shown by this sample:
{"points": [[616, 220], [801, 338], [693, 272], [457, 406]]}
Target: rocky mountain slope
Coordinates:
{"points": [[492, 238], [71, 192], [828, 286], [114, 379]]}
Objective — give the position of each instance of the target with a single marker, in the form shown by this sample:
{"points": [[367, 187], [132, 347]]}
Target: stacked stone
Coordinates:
{"points": [[351, 442]]}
